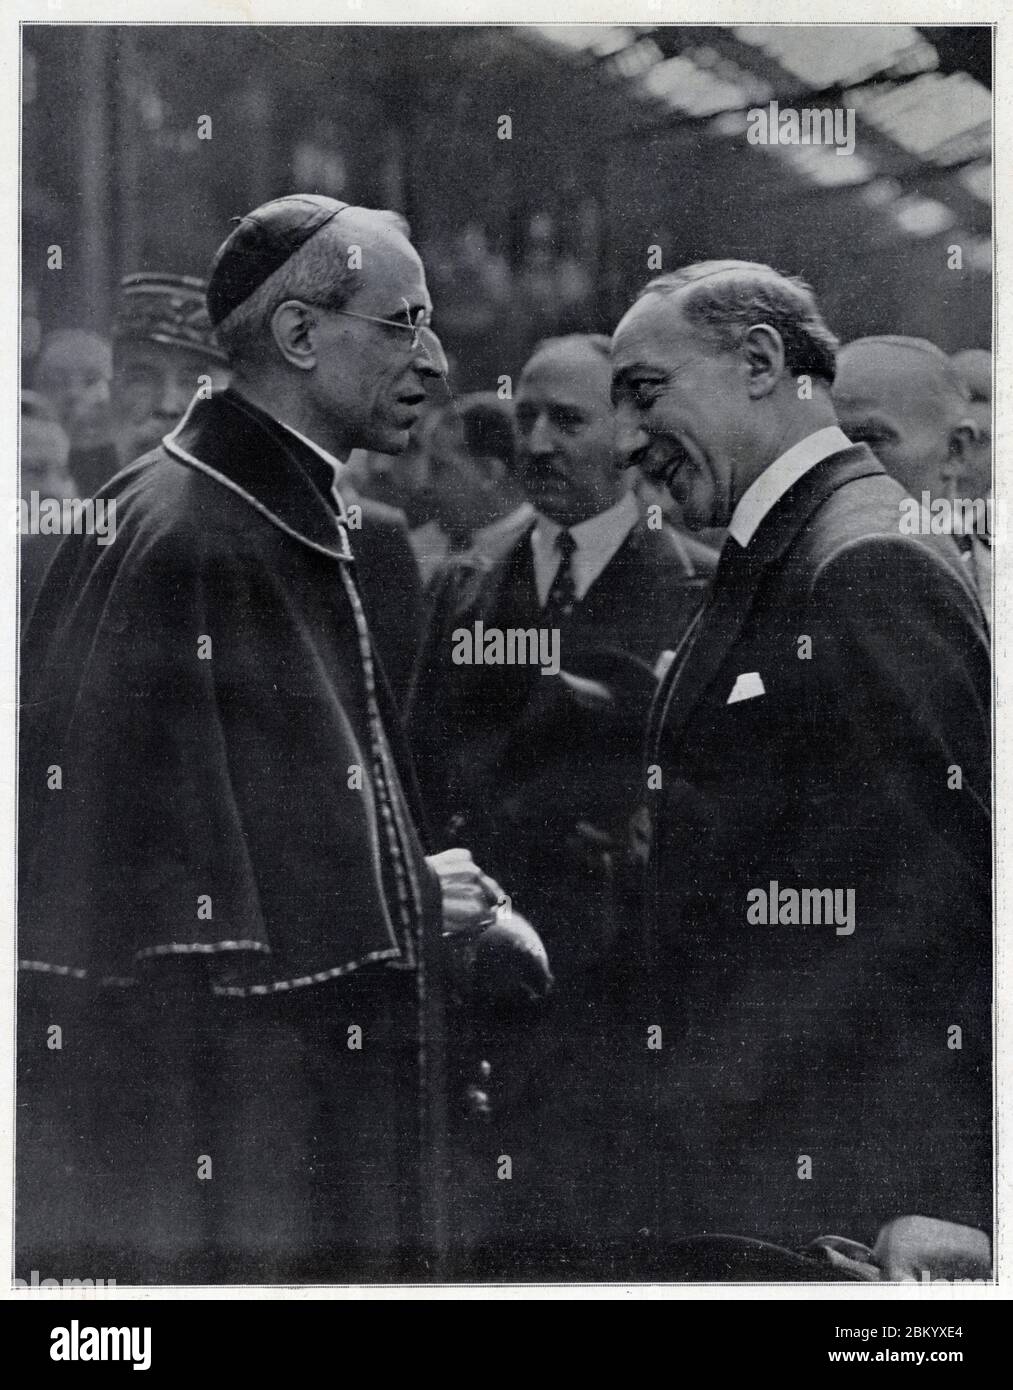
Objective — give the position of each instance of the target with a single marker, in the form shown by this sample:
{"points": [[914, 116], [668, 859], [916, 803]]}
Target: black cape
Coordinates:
{"points": [[217, 829]]}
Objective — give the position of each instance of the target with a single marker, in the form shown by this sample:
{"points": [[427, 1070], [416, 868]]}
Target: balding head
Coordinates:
{"points": [[904, 399], [590, 348]]}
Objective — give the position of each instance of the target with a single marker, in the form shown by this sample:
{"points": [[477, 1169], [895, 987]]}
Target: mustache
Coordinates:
{"points": [[547, 469]]}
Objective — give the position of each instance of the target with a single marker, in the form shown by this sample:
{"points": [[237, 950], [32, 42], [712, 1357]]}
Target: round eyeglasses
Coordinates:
{"points": [[415, 326]]}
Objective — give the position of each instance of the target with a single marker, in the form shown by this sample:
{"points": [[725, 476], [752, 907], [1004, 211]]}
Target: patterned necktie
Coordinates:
{"points": [[563, 594]]}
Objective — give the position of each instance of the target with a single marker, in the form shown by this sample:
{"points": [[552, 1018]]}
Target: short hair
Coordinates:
{"points": [[726, 298], [318, 273], [950, 377], [486, 423], [600, 343]]}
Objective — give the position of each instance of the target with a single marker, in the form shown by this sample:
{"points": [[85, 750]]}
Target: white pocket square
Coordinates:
{"points": [[746, 687]]}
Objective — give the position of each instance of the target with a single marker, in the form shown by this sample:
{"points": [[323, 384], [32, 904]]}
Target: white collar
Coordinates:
{"points": [[598, 538], [775, 480]]}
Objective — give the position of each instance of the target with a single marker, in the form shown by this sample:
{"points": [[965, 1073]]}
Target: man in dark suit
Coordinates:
{"points": [[817, 835], [514, 754], [541, 769]]}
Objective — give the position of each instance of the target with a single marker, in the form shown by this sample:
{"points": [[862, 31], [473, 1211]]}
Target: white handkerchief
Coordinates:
{"points": [[746, 687]]}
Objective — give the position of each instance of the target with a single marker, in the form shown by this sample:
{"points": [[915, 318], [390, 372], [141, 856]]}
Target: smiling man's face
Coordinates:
{"points": [[682, 410]]}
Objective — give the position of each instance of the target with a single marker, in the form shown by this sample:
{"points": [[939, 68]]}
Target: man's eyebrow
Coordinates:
{"points": [[635, 369]]}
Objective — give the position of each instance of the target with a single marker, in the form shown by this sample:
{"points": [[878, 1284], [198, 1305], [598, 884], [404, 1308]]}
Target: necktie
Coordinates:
{"points": [[563, 594], [732, 566]]}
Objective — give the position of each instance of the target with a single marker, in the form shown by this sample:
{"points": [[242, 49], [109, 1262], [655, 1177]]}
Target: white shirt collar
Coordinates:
{"points": [[766, 490], [598, 538]]}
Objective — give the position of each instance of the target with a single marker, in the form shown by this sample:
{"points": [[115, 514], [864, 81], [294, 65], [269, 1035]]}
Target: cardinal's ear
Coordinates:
{"points": [[293, 326]]}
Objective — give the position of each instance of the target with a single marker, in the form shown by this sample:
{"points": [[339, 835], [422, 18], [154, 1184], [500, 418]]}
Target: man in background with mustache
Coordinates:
{"points": [[826, 726], [541, 770]]}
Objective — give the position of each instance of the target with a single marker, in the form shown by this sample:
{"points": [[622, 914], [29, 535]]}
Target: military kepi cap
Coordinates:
{"points": [[154, 307], [262, 241]]}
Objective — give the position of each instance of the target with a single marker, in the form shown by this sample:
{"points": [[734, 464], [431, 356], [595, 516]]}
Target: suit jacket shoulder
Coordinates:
{"points": [[865, 513]]}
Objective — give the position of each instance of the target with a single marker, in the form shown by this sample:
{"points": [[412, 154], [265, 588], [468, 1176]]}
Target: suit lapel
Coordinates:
{"points": [[600, 601], [739, 577], [511, 599], [707, 644]]}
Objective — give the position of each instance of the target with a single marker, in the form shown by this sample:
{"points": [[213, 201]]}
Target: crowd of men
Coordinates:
{"points": [[269, 734]]}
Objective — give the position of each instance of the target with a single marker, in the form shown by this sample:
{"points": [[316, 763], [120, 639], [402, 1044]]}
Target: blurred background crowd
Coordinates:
{"points": [[546, 173]]}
